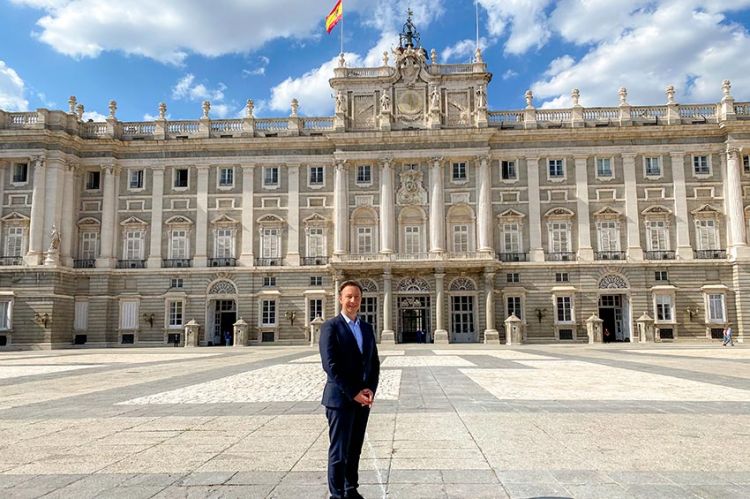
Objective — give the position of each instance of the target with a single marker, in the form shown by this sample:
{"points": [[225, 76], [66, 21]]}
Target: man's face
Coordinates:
{"points": [[350, 298]]}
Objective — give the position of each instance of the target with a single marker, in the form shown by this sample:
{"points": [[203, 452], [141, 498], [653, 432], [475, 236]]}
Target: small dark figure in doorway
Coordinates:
{"points": [[227, 338], [607, 335], [420, 336]]}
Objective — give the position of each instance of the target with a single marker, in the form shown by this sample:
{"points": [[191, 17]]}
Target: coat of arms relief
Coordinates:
{"points": [[411, 192]]}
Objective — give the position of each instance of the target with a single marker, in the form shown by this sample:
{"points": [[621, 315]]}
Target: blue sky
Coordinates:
{"points": [[182, 52]]}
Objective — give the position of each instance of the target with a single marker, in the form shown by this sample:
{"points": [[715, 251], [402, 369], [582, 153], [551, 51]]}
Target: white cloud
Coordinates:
{"points": [[525, 19], [93, 116], [186, 89], [11, 90], [259, 70], [509, 74], [464, 50]]}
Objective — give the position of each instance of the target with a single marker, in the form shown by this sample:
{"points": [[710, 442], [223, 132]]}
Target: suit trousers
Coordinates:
{"points": [[346, 432]]}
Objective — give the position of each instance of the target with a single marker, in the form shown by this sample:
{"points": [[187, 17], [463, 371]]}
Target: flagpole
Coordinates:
{"points": [[342, 27]]}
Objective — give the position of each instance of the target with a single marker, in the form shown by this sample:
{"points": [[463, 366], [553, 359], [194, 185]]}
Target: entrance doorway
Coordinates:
{"points": [[414, 319], [225, 315], [613, 313]]}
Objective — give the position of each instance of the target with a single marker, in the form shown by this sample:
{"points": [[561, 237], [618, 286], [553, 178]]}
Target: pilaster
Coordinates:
{"points": [[292, 244], [68, 227], [387, 209], [387, 337], [738, 248], [340, 209], [440, 335], [490, 333], [632, 214], [201, 217], [36, 227], [247, 258], [109, 215], [437, 208], [536, 252], [684, 249], [157, 217], [485, 206], [585, 251]]}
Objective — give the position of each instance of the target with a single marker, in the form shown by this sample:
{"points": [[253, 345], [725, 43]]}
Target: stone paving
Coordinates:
{"points": [[461, 421]]}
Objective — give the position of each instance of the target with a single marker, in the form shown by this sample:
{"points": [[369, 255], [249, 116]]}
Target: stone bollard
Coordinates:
{"points": [[594, 329], [192, 329], [513, 330], [240, 333], [315, 331]]}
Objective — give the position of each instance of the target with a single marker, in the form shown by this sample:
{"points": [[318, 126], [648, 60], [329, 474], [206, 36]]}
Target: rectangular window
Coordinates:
{"points": [[514, 306], [5, 315], [92, 181], [556, 168], [176, 282], [462, 310], [181, 178], [459, 171], [268, 313], [316, 175], [315, 309], [559, 237], [226, 177], [460, 238], [174, 313], [315, 242], [89, 245], [511, 238], [133, 245], [269, 281], [564, 309], [412, 239], [20, 173], [316, 280], [364, 174], [663, 307], [14, 241], [706, 235], [129, 314], [746, 163], [700, 165], [135, 179], [508, 170], [224, 247], [179, 244], [81, 316], [364, 240], [562, 277], [270, 242], [653, 166], [604, 167], [513, 277], [368, 311], [716, 308], [658, 235], [271, 176], [661, 275], [609, 236]]}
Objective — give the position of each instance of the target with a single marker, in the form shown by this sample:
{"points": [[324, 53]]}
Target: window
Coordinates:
{"points": [[460, 238], [135, 179], [181, 178], [178, 244], [174, 313], [176, 282], [224, 246], [269, 281], [604, 167], [746, 163], [316, 175], [81, 315], [559, 237], [129, 314], [564, 309], [6, 307], [270, 242], [271, 176], [661, 275], [700, 165], [89, 245], [316, 243], [562, 277], [226, 177], [652, 166], [412, 239], [459, 171], [512, 277], [663, 307], [133, 245], [658, 235], [316, 280], [268, 313], [556, 168], [364, 174], [513, 304], [92, 181], [364, 240], [608, 233], [706, 235], [315, 308], [20, 173], [14, 241], [368, 311], [462, 311], [716, 308], [508, 170], [511, 238]]}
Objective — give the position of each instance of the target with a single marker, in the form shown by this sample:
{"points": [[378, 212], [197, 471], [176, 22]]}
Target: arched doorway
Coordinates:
{"points": [[413, 310], [221, 313], [614, 308]]}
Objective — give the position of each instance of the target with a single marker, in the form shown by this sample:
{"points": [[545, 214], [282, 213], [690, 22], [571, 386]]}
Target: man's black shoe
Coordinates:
{"points": [[353, 494]]}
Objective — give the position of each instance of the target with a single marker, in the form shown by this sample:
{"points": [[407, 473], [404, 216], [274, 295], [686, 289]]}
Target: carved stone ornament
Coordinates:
{"points": [[223, 288], [411, 192], [613, 282]]}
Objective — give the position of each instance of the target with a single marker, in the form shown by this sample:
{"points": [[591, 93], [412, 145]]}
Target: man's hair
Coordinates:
{"points": [[350, 283]]}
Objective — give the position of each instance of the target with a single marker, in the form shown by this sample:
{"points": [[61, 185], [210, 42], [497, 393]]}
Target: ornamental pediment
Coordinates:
{"points": [[315, 219], [270, 220], [657, 210], [559, 213], [607, 212], [178, 220], [133, 221], [88, 221], [707, 211], [224, 219], [15, 217], [511, 213]]}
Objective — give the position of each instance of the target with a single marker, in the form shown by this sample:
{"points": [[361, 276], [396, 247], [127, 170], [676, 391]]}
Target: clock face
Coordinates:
{"points": [[409, 102]]}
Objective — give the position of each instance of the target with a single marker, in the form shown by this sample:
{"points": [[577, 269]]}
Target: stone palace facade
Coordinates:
{"points": [[452, 216]]}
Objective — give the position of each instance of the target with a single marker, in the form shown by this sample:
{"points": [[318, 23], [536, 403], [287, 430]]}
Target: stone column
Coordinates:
{"points": [[490, 333], [684, 249], [387, 209], [247, 259], [536, 252], [440, 335], [585, 251], [387, 336], [632, 214], [340, 209], [437, 207], [200, 258], [53, 193], [484, 219], [738, 247], [68, 228], [109, 218], [157, 216], [36, 228], [293, 225]]}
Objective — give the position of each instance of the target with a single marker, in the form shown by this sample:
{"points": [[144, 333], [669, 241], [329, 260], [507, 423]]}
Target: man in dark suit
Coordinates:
{"points": [[350, 359]]}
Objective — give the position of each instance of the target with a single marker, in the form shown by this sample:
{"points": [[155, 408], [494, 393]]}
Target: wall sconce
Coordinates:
{"points": [[692, 312], [149, 318], [291, 315], [42, 319], [539, 314]]}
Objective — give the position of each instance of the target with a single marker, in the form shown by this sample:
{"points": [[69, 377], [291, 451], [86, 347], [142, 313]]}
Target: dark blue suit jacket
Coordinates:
{"points": [[349, 370]]}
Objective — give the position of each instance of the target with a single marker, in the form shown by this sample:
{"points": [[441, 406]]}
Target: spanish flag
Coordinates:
{"points": [[335, 16]]}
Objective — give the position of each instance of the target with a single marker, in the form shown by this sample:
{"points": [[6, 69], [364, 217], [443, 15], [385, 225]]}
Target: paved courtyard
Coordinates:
{"points": [[460, 421]]}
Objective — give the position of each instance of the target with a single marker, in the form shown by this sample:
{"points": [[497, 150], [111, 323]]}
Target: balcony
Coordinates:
{"points": [[86, 263], [176, 263], [609, 255], [222, 262], [11, 260], [659, 255], [131, 264], [714, 254], [512, 257], [268, 262], [561, 256], [315, 260]]}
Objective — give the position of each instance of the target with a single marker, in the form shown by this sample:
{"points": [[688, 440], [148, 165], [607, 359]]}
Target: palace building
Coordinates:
{"points": [[452, 216]]}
